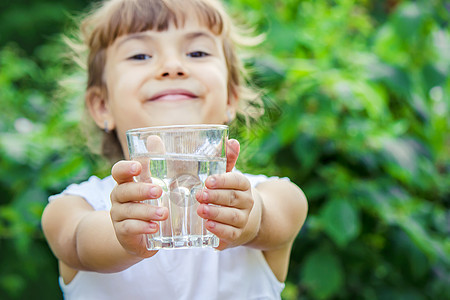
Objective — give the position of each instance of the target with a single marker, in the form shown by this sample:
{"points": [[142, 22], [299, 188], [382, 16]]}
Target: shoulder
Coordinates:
{"points": [[286, 198]]}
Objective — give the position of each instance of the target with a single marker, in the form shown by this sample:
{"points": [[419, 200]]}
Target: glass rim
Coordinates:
{"points": [[177, 128]]}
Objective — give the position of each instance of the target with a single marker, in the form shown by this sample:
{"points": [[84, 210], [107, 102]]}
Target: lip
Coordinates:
{"points": [[173, 94]]}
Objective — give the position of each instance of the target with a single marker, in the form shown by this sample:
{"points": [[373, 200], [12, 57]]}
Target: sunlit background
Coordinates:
{"points": [[357, 97]]}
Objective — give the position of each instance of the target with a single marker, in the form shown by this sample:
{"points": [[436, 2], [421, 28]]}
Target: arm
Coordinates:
{"points": [[267, 217], [100, 241], [82, 238], [283, 209]]}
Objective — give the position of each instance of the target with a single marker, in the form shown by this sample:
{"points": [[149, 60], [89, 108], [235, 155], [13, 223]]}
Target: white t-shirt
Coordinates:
{"points": [[196, 273]]}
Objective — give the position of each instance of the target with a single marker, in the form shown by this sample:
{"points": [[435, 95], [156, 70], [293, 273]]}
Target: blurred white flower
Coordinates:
{"points": [[23, 125]]}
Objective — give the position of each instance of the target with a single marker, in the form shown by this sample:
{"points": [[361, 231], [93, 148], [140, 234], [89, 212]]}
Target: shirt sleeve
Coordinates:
{"points": [[257, 179], [95, 191]]}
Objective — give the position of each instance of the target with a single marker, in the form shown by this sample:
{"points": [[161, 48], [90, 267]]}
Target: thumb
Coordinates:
{"points": [[233, 149], [124, 171]]}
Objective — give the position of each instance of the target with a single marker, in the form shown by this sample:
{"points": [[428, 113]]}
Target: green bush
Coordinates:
{"points": [[41, 153], [357, 97], [362, 125]]}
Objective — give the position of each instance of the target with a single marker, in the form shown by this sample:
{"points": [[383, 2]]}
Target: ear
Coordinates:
{"points": [[98, 107]]}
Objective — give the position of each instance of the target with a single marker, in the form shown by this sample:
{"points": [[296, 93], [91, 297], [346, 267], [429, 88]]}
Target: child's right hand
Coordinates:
{"points": [[132, 218]]}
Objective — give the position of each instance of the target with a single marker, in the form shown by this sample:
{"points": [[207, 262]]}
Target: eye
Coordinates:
{"points": [[198, 54], [140, 57]]}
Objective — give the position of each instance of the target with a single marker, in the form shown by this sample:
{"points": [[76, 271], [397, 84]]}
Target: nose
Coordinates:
{"points": [[172, 68], [173, 73]]}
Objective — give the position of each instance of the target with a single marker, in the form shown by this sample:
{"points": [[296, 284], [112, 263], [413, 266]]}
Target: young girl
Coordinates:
{"points": [[168, 62]]}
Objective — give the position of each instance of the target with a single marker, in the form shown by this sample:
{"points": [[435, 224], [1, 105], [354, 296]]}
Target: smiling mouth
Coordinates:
{"points": [[173, 95]]}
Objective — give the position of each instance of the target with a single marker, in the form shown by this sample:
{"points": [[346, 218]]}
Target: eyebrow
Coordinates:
{"points": [[197, 34], [146, 37], [135, 36]]}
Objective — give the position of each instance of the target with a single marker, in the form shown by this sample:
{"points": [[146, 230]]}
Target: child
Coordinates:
{"points": [[168, 62]]}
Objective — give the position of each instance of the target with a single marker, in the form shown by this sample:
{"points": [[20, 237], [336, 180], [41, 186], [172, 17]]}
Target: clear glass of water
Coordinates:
{"points": [[179, 159]]}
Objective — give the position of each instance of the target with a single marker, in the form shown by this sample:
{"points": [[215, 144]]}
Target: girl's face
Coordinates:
{"points": [[173, 77]]}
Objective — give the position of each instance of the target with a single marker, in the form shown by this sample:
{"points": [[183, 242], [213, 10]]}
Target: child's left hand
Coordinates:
{"points": [[231, 197]]}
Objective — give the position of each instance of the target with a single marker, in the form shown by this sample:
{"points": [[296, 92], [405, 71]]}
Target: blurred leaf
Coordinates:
{"points": [[408, 19], [433, 76], [13, 283], [419, 236], [290, 292], [341, 221], [267, 72], [322, 274], [392, 76], [408, 256], [307, 151], [403, 156]]}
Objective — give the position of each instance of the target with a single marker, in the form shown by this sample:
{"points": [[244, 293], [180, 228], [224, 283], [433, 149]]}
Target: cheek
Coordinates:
{"points": [[122, 81], [217, 82], [216, 105]]}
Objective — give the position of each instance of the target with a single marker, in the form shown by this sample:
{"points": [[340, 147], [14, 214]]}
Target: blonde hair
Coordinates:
{"points": [[111, 19]]}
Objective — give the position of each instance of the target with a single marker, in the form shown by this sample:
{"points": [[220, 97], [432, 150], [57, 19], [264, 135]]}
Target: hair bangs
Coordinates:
{"points": [[127, 17]]}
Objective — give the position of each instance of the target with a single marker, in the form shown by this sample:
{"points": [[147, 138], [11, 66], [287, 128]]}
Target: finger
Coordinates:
{"points": [[124, 171], [229, 198], [233, 149], [155, 145], [224, 232], [229, 180], [138, 211], [135, 191], [225, 215], [136, 227]]}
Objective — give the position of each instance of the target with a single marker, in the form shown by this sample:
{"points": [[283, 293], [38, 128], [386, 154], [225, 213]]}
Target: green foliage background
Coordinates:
{"points": [[358, 99]]}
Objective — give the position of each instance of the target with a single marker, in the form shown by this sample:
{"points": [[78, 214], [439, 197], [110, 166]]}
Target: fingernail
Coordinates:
{"points": [[212, 181], [134, 167], [152, 226], [211, 224], [154, 191], [205, 196], [160, 211]]}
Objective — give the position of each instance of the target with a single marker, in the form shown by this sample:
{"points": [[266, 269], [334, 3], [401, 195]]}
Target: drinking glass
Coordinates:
{"points": [[179, 159]]}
